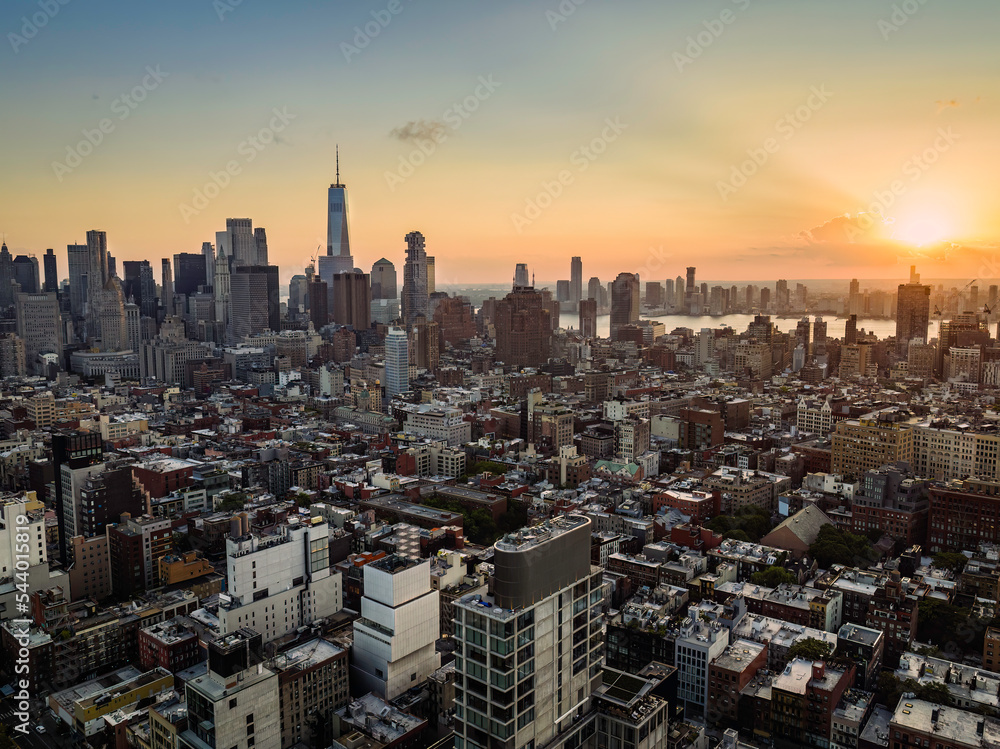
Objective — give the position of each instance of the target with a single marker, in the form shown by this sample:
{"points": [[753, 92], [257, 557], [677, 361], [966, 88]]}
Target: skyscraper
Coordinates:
{"points": [[594, 288], [415, 290], [352, 300], [588, 318], [913, 308], [97, 276], [166, 287], [78, 261], [338, 240], [521, 275], [298, 295], [384, 280], [397, 362], [319, 310], [850, 329], [239, 242], [140, 285], [524, 328], [39, 325], [624, 302], [209, 252], [222, 291], [26, 274], [690, 290], [51, 271], [575, 279], [543, 583], [338, 257], [255, 303], [109, 313], [260, 245], [6, 276], [189, 272]]}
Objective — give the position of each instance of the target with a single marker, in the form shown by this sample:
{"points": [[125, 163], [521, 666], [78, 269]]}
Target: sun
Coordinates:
{"points": [[919, 230]]}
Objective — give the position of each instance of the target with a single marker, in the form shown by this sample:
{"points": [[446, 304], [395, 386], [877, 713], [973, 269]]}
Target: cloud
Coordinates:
{"points": [[943, 104], [419, 130], [845, 228]]}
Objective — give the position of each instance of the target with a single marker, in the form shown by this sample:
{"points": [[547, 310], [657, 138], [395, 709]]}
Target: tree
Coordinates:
{"points": [[810, 648], [736, 534], [836, 546], [950, 560], [772, 577]]}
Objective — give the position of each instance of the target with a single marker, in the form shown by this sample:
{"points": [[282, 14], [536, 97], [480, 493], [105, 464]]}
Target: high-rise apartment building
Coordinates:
{"points": [[75, 455], [394, 640], [531, 653], [397, 362], [415, 279], [624, 302]]}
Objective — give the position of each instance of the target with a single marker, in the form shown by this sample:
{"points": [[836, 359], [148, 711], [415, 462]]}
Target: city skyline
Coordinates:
{"points": [[665, 186]]}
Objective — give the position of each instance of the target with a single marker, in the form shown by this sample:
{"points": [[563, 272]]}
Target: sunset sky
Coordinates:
{"points": [[849, 107]]}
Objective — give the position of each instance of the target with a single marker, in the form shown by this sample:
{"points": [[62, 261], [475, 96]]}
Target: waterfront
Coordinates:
{"points": [[739, 323]]}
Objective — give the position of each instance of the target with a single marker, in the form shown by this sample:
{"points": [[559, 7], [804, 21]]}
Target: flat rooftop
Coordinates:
{"points": [[527, 538]]}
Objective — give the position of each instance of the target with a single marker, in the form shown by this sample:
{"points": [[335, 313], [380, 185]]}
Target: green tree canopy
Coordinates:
{"points": [[950, 560], [811, 649], [836, 546], [772, 577]]}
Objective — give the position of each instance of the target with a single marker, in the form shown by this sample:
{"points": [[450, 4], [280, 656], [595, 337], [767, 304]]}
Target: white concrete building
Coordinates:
{"points": [[394, 638], [278, 583]]}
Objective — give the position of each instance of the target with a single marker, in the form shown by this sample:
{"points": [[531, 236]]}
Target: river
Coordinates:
{"points": [[739, 323]]}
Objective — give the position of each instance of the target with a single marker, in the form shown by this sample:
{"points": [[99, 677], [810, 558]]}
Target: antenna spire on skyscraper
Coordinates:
{"points": [[338, 163]]}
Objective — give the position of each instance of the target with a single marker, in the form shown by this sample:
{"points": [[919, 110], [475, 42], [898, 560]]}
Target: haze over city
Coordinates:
{"points": [[850, 107], [556, 374]]}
